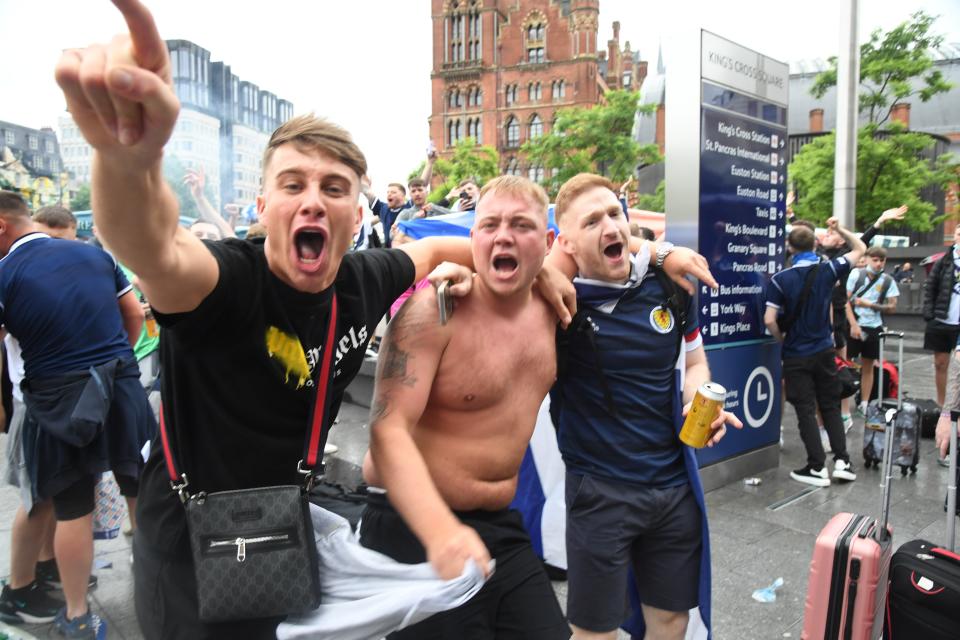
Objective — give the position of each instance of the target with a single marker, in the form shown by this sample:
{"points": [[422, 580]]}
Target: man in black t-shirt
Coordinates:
{"points": [[243, 322]]}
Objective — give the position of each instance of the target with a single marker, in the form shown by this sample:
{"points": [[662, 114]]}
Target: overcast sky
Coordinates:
{"points": [[366, 63]]}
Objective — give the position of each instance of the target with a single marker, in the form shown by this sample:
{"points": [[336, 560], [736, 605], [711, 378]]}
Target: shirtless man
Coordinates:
{"points": [[451, 422]]}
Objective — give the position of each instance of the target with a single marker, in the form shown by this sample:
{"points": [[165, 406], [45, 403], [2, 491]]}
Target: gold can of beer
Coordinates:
{"points": [[704, 409]]}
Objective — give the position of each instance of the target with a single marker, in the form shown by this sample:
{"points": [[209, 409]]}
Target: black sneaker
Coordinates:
{"points": [[28, 604], [816, 477], [48, 576]]}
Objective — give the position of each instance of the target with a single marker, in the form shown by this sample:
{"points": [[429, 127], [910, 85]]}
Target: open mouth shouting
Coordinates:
{"points": [[614, 251], [309, 244], [504, 265]]}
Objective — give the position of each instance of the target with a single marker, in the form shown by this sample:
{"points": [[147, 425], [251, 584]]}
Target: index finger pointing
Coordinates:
{"points": [[149, 49]]}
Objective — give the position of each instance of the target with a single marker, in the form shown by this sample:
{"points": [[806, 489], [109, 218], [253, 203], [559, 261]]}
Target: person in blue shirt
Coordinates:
{"points": [[73, 312], [872, 293], [809, 370], [633, 493]]}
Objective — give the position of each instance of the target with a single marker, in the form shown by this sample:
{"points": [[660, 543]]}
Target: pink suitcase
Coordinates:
{"points": [[849, 572]]}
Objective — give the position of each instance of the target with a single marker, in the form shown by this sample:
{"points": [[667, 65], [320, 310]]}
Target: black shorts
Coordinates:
{"points": [[868, 346], [942, 338], [78, 499], [613, 526], [841, 332], [517, 602]]}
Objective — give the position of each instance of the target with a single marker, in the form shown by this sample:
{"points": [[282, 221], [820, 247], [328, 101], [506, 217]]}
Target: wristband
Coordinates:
{"points": [[945, 414]]}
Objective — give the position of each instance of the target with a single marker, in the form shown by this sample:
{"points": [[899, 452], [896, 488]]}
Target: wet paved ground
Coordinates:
{"points": [[753, 541]]}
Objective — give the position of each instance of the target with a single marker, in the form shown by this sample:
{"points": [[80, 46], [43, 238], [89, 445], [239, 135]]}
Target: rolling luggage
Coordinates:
{"points": [[847, 588], [903, 416], [929, 412], [925, 579]]}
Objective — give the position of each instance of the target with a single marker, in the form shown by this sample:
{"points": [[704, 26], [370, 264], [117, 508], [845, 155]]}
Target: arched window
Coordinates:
{"points": [[454, 132], [511, 94], [536, 127], [559, 89], [513, 167], [534, 91], [513, 132], [478, 98], [454, 98], [474, 32], [474, 130], [535, 173]]}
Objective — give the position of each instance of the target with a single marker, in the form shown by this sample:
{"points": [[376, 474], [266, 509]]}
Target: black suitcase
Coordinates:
{"points": [[924, 595], [929, 415]]}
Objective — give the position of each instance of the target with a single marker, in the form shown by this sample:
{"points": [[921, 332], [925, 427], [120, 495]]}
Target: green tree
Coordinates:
{"points": [[597, 139], [894, 67], [653, 201], [469, 160], [81, 201]]}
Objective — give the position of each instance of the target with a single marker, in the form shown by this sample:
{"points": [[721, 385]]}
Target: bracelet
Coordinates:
{"points": [[945, 414]]}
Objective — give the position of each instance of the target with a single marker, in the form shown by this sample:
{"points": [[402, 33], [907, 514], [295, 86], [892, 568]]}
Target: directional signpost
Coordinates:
{"points": [[732, 210]]}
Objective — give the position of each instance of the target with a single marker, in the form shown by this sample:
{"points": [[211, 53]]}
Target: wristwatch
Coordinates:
{"points": [[663, 250]]}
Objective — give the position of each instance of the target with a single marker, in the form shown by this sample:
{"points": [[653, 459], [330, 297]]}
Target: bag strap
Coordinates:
{"points": [[804, 294], [312, 461], [872, 281], [884, 288]]}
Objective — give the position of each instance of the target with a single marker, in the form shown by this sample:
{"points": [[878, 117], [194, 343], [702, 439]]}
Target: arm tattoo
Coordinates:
{"points": [[380, 408]]}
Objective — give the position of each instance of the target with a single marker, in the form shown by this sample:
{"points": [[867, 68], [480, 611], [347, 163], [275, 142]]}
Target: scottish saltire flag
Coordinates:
{"points": [[451, 224]]}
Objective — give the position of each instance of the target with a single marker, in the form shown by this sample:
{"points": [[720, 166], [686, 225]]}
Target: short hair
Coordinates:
{"points": [[402, 188], [801, 238], [467, 181], [310, 133], [55, 217], [520, 187], [639, 231], [804, 223], [417, 182], [876, 252], [575, 186], [256, 230], [12, 204]]}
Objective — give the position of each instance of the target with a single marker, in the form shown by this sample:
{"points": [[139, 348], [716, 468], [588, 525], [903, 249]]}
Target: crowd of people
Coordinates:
{"points": [[601, 318]]}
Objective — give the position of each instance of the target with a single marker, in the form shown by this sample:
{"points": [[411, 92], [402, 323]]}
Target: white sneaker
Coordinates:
{"points": [[816, 477], [330, 449], [843, 470]]}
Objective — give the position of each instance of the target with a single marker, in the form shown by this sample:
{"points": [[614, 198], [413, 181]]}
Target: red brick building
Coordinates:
{"points": [[501, 69]]}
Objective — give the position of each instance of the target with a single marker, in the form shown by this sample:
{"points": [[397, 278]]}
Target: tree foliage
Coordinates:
{"points": [[596, 139], [469, 160], [890, 172], [894, 66], [891, 169], [653, 201], [81, 200]]}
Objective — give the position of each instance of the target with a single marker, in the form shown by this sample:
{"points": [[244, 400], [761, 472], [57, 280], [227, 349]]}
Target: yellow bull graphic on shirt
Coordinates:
{"points": [[287, 350]]}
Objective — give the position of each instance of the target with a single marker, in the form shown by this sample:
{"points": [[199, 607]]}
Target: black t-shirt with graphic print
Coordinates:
{"points": [[238, 375]]}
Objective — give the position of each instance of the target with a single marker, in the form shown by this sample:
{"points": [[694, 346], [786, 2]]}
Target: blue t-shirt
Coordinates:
{"points": [[636, 344], [59, 299], [812, 331]]}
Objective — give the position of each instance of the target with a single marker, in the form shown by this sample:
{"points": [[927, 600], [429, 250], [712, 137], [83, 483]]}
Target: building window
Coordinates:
{"points": [[48, 145], [511, 94], [534, 92], [535, 55], [475, 130], [536, 127], [455, 101], [9, 137], [535, 173], [559, 89], [454, 132], [513, 167], [626, 80], [513, 132], [535, 41], [32, 141], [455, 33], [474, 32]]}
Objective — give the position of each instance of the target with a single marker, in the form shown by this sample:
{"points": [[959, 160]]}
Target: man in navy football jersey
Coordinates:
{"points": [[634, 498]]}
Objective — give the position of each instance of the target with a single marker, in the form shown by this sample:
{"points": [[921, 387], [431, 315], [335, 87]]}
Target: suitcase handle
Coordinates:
{"points": [[945, 553]]}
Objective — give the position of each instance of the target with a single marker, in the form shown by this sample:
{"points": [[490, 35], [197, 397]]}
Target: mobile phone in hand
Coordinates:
{"points": [[444, 302]]}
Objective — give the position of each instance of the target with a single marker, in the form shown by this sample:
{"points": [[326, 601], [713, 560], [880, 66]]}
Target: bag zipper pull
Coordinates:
{"points": [[241, 549]]}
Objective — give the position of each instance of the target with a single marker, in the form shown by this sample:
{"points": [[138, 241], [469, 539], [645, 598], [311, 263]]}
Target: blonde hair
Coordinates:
{"points": [[576, 186], [520, 187], [310, 133]]}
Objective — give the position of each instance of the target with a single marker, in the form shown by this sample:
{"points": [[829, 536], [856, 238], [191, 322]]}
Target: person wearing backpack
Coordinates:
{"points": [[941, 311], [872, 293], [798, 315]]}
